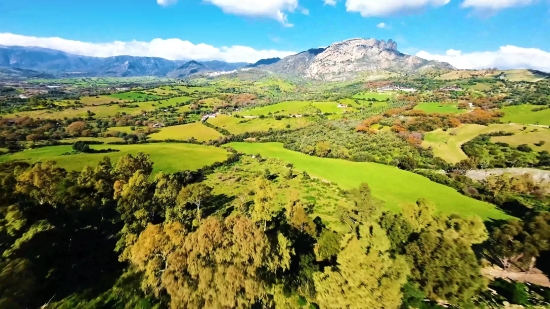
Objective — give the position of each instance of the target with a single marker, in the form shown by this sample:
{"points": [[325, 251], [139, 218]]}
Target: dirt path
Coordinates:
{"points": [[536, 277], [538, 175]]}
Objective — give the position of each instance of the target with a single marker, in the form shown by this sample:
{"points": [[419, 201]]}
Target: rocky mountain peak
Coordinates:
{"points": [[367, 43]]}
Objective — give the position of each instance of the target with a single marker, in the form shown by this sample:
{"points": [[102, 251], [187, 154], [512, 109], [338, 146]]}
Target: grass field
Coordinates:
{"points": [[95, 139], [293, 108], [530, 138], [524, 114], [167, 157], [94, 100], [125, 129], [447, 144], [240, 125], [435, 107], [373, 95], [395, 187], [184, 132], [132, 95]]}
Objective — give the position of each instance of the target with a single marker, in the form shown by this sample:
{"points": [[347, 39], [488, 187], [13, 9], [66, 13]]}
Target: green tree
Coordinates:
{"points": [[262, 211]]}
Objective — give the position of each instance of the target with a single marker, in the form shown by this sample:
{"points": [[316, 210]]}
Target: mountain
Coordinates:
{"points": [[345, 60], [189, 68], [15, 73], [262, 62], [63, 64]]}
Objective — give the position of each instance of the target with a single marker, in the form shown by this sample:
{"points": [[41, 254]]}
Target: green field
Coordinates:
{"points": [[448, 144], [168, 157], [293, 108], [373, 95], [396, 187], [95, 139], [187, 131], [524, 114], [93, 100], [435, 107], [132, 95], [241, 125], [530, 138]]}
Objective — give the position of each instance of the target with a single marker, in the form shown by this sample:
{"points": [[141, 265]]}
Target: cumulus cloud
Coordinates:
{"points": [[166, 2], [330, 2], [274, 9], [305, 11], [382, 25], [506, 57], [368, 8], [173, 49], [494, 5]]}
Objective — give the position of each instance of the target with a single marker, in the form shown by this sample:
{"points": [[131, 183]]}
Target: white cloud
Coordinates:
{"points": [[330, 2], [382, 25], [368, 8], [173, 49], [305, 11], [506, 57], [274, 9], [166, 2], [494, 5]]}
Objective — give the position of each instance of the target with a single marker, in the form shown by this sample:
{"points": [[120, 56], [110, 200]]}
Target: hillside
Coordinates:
{"points": [[345, 60]]}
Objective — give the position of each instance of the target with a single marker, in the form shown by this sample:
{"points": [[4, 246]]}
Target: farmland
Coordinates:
{"points": [[524, 114], [239, 125], [293, 108], [447, 144], [386, 182], [139, 96], [169, 158], [435, 107], [530, 138], [373, 96], [196, 130]]}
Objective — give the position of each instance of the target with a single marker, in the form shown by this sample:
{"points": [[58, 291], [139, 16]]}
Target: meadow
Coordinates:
{"points": [[448, 144], [436, 107], [187, 131], [530, 138], [373, 95], [168, 157], [394, 186], [241, 125], [132, 95], [293, 108], [524, 114], [93, 100]]}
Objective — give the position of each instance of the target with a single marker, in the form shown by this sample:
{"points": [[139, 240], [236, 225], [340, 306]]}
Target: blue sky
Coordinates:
{"points": [[246, 30]]}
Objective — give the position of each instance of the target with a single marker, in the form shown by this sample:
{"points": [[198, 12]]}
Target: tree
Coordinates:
{"points": [[263, 199], [223, 264], [42, 182], [81, 146], [297, 216], [322, 149], [366, 276], [128, 165], [195, 194], [76, 128]]}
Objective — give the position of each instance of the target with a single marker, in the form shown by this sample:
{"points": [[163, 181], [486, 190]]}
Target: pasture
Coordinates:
{"points": [[168, 157], [530, 138], [241, 125], [524, 114], [394, 186], [93, 100], [448, 144], [187, 131], [436, 107], [293, 108], [134, 95], [94, 139], [373, 95]]}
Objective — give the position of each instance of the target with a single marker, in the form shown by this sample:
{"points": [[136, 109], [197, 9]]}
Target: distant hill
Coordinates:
{"points": [[60, 63], [189, 68], [16, 73], [345, 60], [264, 62]]}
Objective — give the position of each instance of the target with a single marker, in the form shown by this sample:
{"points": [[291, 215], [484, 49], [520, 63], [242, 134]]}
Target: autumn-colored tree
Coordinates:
{"points": [[297, 216], [223, 264], [42, 182], [76, 128], [262, 210]]}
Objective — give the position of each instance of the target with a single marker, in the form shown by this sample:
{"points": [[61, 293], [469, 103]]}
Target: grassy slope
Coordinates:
{"points": [[167, 157], [524, 114], [435, 107], [373, 95], [99, 100], [394, 186], [292, 108], [447, 145], [135, 96], [187, 131], [529, 138], [233, 125]]}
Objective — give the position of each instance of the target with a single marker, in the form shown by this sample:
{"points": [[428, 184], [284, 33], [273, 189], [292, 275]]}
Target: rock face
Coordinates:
{"points": [[345, 60]]}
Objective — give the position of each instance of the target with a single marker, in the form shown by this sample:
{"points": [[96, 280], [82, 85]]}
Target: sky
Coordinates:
{"points": [[469, 34]]}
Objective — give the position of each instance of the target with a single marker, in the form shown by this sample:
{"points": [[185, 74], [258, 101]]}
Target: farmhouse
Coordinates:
{"points": [[205, 117], [395, 88], [342, 106]]}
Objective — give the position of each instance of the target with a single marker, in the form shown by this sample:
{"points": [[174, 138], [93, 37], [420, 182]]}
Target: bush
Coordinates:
{"points": [[524, 148], [81, 146]]}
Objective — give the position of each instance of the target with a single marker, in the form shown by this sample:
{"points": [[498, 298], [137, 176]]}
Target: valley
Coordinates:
{"points": [[152, 183]]}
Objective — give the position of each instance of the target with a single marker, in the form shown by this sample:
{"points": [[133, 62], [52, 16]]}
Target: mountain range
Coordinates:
{"points": [[339, 61]]}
